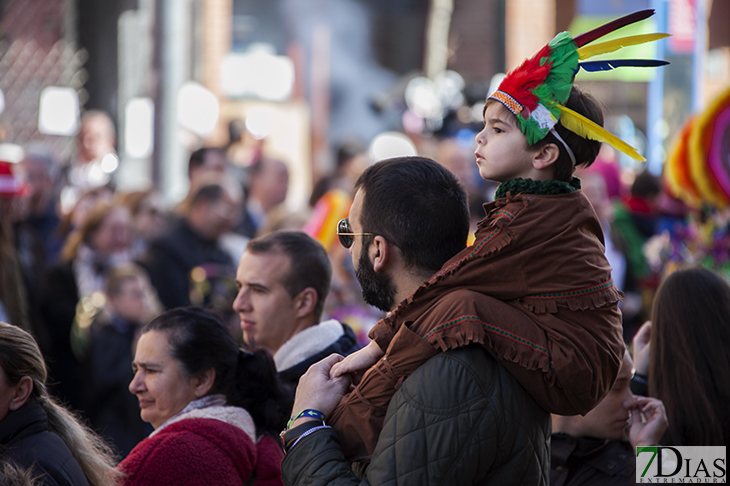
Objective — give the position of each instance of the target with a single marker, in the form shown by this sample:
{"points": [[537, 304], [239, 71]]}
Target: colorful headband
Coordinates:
{"points": [[536, 91]]}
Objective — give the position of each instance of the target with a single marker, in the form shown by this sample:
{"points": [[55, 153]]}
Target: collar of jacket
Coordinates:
{"points": [[28, 420], [541, 188], [307, 343]]}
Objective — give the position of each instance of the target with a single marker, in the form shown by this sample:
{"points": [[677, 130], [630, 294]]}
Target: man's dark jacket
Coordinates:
{"points": [[172, 256], [586, 461], [459, 419]]}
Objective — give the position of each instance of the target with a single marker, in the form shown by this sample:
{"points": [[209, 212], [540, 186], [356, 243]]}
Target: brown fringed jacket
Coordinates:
{"points": [[534, 289]]}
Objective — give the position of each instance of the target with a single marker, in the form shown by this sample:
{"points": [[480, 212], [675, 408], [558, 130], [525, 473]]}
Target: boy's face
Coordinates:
{"points": [[502, 152]]}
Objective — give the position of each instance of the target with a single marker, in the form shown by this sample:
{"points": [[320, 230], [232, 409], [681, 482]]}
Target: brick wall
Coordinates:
{"points": [[530, 25], [475, 39], [216, 36]]}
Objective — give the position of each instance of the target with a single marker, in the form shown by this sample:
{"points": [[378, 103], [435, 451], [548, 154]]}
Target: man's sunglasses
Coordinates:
{"points": [[344, 232]]}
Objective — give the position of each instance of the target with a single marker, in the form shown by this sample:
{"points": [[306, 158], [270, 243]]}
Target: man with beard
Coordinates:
{"points": [[283, 279], [460, 417]]}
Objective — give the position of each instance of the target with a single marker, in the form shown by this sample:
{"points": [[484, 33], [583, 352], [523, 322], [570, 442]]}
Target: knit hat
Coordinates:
{"points": [[536, 91]]}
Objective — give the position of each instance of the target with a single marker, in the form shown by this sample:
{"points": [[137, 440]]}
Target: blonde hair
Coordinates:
{"points": [[19, 357], [91, 224], [12, 474]]}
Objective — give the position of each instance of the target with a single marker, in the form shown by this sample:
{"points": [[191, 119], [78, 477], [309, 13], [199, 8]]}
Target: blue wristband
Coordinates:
{"points": [[306, 413]]}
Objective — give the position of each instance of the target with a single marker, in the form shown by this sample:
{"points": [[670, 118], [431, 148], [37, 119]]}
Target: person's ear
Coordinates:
{"points": [[21, 393], [204, 382], [305, 302], [380, 253], [545, 156]]}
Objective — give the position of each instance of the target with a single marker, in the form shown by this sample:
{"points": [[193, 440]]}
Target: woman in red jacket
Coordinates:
{"points": [[213, 406]]}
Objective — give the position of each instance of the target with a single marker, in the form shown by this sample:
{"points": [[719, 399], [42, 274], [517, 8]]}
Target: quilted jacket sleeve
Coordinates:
{"points": [[460, 419]]}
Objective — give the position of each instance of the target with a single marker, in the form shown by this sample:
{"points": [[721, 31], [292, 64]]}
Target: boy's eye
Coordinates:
{"points": [[497, 130]]}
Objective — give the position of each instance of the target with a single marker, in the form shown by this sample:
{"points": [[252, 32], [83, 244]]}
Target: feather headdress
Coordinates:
{"points": [[536, 91]]}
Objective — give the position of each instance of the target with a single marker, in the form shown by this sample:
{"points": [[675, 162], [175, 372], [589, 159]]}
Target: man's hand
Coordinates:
{"points": [[648, 422], [318, 391], [641, 349]]}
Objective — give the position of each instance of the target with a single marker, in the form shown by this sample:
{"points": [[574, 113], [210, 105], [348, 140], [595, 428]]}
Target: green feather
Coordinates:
{"points": [[565, 64]]}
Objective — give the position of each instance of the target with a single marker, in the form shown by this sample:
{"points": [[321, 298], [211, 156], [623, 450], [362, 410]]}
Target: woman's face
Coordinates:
{"points": [[132, 302], [160, 382], [150, 219], [113, 236]]}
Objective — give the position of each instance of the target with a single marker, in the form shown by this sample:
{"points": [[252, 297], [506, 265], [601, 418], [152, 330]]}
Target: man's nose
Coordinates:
{"points": [[242, 302]]}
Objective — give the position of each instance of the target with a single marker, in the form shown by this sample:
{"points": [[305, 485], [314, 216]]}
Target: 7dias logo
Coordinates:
{"points": [[664, 464]]}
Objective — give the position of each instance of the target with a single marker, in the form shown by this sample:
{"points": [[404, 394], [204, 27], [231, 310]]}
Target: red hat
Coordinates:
{"points": [[10, 185]]}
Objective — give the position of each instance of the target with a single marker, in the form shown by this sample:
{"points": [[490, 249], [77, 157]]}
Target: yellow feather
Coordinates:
{"points": [[583, 127], [613, 45]]}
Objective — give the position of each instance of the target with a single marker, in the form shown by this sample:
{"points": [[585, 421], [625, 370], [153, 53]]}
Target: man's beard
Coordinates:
{"points": [[378, 290]]}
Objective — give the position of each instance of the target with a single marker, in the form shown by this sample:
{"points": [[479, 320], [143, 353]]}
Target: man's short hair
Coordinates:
{"points": [[417, 205], [309, 265], [197, 158], [210, 188], [211, 193]]}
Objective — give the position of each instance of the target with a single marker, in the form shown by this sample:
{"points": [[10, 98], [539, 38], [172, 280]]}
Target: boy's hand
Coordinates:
{"points": [[648, 422], [318, 390], [359, 360]]}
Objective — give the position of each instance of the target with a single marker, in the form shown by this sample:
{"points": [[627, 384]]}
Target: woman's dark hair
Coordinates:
{"points": [[689, 368], [200, 341], [585, 150]]}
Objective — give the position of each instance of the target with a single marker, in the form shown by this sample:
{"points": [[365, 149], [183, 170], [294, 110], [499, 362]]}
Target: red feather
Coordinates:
{"points": [[520, 82], [598, 32]]}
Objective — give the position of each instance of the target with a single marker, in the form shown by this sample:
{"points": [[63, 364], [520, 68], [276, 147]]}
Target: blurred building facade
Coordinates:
{"points": [[306, 74]]}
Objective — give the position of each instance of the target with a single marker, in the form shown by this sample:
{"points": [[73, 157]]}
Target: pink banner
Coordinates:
{"points": [[682, 26]]}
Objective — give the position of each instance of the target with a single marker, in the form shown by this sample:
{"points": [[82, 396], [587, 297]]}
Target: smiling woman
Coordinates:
{"points": [[215, 408]]}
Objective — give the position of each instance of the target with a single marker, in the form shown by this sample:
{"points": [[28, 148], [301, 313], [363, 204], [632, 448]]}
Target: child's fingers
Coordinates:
{"points": [[341, 368], [336, 370]]}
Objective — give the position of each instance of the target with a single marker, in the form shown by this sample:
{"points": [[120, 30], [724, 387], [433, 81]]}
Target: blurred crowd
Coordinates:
{"points": [[83, 266]]}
